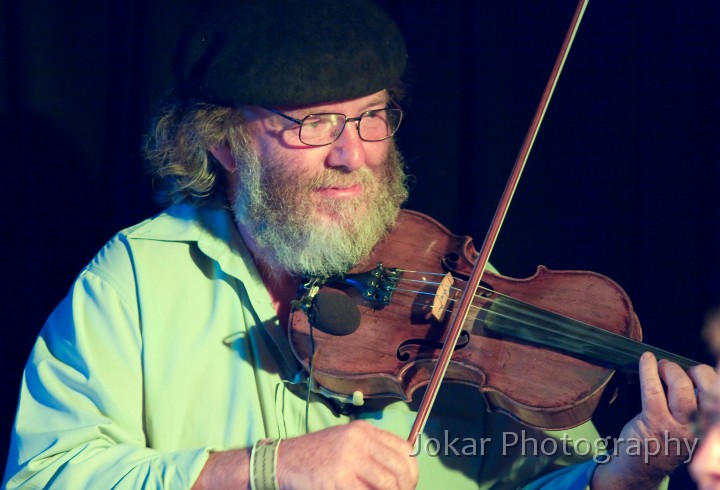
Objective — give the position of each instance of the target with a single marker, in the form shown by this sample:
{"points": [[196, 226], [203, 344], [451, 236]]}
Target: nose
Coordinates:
{"points": [[348, 151], [705, 466]]}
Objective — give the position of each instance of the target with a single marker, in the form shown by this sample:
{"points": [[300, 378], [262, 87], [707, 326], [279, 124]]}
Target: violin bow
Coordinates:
{"points": [[461, 310]]}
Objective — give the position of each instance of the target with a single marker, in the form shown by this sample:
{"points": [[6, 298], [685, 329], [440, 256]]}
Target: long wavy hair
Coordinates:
{"points": [[176, 151]]}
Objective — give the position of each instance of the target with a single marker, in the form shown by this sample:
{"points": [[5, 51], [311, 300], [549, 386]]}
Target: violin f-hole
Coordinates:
{"points": [[413, 346]]}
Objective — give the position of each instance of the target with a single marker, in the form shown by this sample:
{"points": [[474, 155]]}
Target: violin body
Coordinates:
{"points": [[393, 351]]}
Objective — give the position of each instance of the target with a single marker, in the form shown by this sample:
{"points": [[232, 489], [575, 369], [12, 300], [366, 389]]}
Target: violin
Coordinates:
{"points": [[540, 349]]}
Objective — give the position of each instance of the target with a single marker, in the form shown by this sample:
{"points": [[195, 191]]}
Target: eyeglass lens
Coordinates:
{"points": [[323, 129]]}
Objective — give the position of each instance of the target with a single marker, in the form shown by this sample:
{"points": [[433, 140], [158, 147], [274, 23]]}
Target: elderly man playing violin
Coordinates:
{"points": [[168, 364]]}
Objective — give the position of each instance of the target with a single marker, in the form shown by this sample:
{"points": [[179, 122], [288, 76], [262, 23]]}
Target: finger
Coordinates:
{"points": [[707, 387], [399, 451], [703, 376], [378, 477], [391, 453], [377, 437], [681, 398], [654, 402], [386, 474]]}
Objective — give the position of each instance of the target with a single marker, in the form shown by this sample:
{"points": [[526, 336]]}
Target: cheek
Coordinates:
{"points": [[293, 161], [269, 141], [376, 154], [289, 166]]}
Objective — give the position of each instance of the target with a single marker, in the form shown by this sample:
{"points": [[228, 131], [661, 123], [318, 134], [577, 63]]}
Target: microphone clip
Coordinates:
{"points": [[307, 291]]}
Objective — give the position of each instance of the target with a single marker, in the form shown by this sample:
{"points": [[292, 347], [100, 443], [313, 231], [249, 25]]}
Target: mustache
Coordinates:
{"points": [[335, 178]]}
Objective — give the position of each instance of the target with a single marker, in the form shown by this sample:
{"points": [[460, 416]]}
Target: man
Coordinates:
{"points": [[168, 365]]}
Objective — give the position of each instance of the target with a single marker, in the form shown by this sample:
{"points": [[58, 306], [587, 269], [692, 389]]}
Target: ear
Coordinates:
{"points": [[223, 155]]}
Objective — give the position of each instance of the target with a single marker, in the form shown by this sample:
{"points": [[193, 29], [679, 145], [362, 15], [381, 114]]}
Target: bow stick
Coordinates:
{"points": [[462, 308]]}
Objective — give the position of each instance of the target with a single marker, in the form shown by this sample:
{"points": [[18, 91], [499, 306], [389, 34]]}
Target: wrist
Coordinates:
{"points": [[263, 465]]}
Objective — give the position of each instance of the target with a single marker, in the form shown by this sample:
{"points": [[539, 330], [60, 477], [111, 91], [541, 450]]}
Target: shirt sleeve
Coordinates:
{"points": [[80, 415], [576, 477]]}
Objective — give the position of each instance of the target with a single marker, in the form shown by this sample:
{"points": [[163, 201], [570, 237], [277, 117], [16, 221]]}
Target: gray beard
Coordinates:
{"points": [[274, 204]]}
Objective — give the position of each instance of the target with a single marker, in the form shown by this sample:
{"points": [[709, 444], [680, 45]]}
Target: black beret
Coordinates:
{"points": [[288, 52]]}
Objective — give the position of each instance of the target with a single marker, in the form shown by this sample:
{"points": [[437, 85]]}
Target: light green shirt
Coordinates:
{"points": [[167, 347]]}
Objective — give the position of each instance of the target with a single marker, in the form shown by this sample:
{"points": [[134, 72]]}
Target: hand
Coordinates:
{"points": [[355, 455], [661, 437]]}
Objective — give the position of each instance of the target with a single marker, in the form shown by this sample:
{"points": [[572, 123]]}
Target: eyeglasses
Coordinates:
{"points": [[324, 128]]}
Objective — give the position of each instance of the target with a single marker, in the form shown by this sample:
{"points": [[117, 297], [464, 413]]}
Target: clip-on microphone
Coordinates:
{"points": [[332, 313]]}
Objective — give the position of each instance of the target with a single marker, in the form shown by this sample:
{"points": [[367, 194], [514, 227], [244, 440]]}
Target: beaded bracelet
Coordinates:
{"points": [[263, 465]]}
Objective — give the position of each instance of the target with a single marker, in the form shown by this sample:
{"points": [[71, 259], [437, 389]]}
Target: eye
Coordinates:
{"points": [[374, 113], [313, 122]]}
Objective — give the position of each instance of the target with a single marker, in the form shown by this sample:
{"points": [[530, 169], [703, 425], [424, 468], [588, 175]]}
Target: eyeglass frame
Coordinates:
{"points": [[391, 105]]}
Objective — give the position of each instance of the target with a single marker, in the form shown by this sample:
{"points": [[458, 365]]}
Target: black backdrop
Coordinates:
{"points": [[623, 178]]}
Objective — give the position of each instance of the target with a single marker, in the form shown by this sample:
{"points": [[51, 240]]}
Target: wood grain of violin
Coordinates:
{"points": [[541, 349]]}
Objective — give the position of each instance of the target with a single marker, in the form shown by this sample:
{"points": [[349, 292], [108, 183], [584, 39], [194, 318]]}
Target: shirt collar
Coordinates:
{"points": [[212, 228]]}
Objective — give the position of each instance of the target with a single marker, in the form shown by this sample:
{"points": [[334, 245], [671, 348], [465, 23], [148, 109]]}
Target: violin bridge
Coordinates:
{"points": [[442, 296]]}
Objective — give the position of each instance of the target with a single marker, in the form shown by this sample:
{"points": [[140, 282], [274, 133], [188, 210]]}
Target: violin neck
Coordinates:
{"points": [[518, 321]]}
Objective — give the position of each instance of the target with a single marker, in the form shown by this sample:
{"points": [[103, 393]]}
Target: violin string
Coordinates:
{"points": [[519, 313], [451, 288], [517, 306], [539, 323], [427, 293], [437, 283]]}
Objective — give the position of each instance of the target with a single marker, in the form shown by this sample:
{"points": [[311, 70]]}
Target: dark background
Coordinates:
{"points": [[623, 178]]}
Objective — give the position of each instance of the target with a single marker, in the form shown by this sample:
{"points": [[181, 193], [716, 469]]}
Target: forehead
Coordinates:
{"points": [[349, 106]]}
